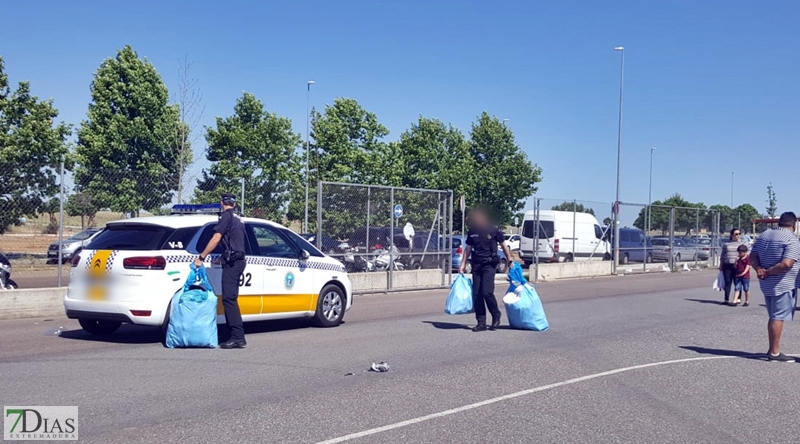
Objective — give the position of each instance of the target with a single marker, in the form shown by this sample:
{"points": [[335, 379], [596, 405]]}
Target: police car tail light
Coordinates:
{"points": [[145, 263], [76, 260]]}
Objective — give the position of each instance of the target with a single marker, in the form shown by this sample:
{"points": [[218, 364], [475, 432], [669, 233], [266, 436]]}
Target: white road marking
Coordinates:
{"points": [[476, 405]]}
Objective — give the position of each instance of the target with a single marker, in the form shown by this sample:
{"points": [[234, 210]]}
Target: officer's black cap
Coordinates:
{"points": [[228, 199]]}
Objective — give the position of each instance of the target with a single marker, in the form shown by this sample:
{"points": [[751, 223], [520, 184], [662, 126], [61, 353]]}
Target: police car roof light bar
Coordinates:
{"points": [[196, 209]]}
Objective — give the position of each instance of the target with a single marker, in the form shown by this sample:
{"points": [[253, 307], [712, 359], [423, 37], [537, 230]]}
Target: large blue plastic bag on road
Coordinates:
{"points": [[193, 314], [459, 301], [523, 306]]}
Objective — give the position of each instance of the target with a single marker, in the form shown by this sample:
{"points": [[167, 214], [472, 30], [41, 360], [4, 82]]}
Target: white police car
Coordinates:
{"points": [[130, 272]]}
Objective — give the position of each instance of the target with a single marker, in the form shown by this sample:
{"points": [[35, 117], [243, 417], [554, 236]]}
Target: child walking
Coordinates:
{"points": [[742, 278]]}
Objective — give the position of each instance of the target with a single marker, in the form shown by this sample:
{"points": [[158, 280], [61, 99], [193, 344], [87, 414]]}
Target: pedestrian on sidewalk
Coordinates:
{"points": [[742, 280], [483, 239], [776, 259]]}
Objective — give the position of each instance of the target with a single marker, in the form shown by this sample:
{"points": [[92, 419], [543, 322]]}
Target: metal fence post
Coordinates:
{"points": [[574, 225], [672, 263], [319, 214], [61, 227], [536, 204], [390, 281], [450, 242], [615, 256], [697, 233]]}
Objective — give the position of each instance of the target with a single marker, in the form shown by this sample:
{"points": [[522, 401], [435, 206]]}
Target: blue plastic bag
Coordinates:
{"points": [[193, 316], [459, 301], [523, 305]]}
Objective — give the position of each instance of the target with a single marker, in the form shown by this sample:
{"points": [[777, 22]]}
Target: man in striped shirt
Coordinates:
{"points": [[776, 259]]}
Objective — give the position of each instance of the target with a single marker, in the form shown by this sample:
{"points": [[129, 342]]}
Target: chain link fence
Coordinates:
{"points": [[388, 232], [651, 238]]}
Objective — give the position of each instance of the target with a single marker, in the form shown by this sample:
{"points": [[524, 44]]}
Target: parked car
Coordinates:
{"points": [[680, 251], [633, 245], [327, 244], [701, 247], [71, 246], [459, 242], [512, 240], [563, 236]]}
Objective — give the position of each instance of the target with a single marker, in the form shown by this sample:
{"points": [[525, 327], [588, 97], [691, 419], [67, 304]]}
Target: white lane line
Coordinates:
{"points": [[476, 405]]}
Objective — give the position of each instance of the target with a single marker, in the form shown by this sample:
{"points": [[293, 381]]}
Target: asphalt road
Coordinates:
{"points": [[635, 359]]}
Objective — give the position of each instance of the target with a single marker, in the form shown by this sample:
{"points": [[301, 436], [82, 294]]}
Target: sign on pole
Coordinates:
{"points": [[398, 211]]}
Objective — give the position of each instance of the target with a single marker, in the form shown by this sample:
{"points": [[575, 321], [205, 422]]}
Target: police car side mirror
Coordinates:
{"points": [[304, 256]]}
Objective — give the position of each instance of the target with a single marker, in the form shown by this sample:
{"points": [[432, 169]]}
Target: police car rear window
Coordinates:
{"points": [[131, 236]]}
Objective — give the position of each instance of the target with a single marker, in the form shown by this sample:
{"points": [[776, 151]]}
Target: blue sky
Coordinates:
{"points": [[713, 84]]}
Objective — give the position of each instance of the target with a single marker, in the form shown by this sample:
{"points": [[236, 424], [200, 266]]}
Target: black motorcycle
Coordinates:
{"points": [[6, 283]]}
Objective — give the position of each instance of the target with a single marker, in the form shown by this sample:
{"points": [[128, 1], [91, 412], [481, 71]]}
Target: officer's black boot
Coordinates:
{"points": [[481, 326], [495, 321]]}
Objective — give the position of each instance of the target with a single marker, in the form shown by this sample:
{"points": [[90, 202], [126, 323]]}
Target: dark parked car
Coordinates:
{"points": [[327, 244], [633, 245], [459, 242]]}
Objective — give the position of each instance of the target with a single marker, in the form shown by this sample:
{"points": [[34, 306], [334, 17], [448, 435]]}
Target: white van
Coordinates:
{"points": [[564, 236]]}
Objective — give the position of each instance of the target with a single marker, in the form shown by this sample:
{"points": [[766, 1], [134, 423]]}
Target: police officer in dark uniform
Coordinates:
{"points": [[230, 231], [482, 241]]}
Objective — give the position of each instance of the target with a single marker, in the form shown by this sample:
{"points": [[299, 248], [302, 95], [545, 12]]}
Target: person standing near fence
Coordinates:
{"points": [[727, 264], [230, 231], [776, 259], [483, 239]]}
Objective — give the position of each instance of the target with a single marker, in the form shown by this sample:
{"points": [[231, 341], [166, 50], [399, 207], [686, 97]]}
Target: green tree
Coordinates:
{"points": [[687, 215], [608, 221], [31, 149], [82, 204], [127, 153], [572, 206], [258, 146], [436, 156], [347, 147], [504, 175], [725, 219], [743, 216], [772, 202]]}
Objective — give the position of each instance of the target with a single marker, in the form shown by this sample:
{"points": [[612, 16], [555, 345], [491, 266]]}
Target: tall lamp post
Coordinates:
{"points": [[650, 192], [733, 174], [619, 156], [308, 146]]}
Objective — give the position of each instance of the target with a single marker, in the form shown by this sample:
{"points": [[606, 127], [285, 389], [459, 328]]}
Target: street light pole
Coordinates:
{"points": [[650, 191], [308, 146], [619, 155], [733, 174]]}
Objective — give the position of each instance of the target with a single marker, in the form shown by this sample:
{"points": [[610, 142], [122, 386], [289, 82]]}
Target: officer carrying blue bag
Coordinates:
{"points": [[193, 316], [523, 305], [459, 301]]}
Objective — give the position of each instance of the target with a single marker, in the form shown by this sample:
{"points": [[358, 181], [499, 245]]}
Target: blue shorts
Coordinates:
{"points": [[781, 307], [742, 284]]}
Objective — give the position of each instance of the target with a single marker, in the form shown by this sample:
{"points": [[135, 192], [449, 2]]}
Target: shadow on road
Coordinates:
{"points": [[706, 301], [447, 325], [137, 334], [722, 352]]}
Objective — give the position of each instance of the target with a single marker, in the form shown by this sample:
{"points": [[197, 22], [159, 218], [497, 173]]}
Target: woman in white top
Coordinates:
{"points": [[730, 255]]}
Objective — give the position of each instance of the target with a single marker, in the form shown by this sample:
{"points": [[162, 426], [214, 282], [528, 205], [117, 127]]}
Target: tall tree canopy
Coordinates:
{"points": [[126, 150], [572, 206], [259, 147], [503, 174], [31, 149]]}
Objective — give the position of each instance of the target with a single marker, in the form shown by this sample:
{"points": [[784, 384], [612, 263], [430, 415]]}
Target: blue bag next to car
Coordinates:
{"points": [[523, 305], [459, 301], [193, 313]]}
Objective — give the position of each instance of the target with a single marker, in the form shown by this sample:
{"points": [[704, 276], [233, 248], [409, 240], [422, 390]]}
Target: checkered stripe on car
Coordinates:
{"points": [[88, 260], [110, 261], [186, 258], [260, 260]]}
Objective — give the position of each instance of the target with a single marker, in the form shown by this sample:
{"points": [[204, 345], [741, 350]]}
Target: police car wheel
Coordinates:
{"points": [[98, 327], [330, 306]]}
